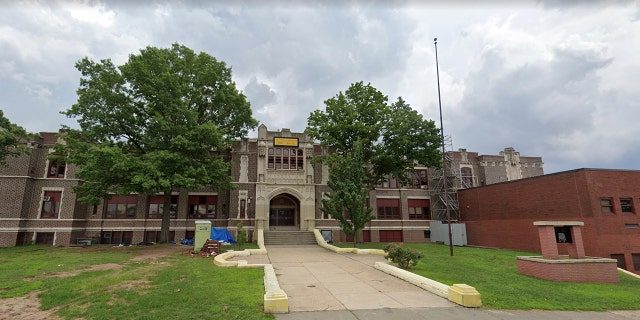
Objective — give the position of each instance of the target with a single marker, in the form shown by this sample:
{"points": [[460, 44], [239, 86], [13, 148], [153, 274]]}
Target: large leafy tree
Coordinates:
{"points": [[346, 204], [393, 138], [12, 139], [159, 122]]}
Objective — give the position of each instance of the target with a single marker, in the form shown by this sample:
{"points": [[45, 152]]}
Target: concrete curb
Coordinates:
{"points": [[461, 294], [275, 299]]}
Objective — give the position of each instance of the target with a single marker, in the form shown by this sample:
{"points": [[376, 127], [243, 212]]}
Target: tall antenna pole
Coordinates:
{"points": [[444, 166]]}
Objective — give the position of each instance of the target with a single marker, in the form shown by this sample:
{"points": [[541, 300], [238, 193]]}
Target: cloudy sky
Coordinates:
{"points": [[549, 79]]}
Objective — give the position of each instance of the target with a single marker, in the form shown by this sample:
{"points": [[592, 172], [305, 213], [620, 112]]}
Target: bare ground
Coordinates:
{"points": [[28, 307]]}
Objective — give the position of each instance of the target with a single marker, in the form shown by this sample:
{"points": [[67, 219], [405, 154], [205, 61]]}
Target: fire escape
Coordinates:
{"points": [[443, 194]]}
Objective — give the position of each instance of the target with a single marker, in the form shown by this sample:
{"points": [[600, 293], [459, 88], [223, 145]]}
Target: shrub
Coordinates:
{"points": [[241, 237], [405, 258]]}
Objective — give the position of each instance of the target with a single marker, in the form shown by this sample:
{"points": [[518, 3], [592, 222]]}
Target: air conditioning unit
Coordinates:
{"points": [[46, 198]]}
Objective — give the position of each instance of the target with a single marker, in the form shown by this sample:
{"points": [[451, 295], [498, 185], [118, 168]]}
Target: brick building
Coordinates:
{"points": [[607, 201], [277, 189]]}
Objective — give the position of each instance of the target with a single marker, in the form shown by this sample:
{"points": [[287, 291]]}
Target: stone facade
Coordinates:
{"points": [[273, 192]]}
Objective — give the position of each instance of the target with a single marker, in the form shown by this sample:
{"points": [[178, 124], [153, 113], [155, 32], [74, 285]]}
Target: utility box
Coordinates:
{"points": [[202, 234], [440, 233]]}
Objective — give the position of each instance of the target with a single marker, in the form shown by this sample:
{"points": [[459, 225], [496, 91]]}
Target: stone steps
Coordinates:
{"points": [[289, 238]]}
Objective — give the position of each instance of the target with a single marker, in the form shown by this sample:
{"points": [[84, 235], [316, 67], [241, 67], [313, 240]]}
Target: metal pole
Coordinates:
{"points": [[444, 167]]}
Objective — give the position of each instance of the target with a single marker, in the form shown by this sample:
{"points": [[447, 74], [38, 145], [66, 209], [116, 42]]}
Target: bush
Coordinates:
{"points": [[405, 258], [241, 236]]}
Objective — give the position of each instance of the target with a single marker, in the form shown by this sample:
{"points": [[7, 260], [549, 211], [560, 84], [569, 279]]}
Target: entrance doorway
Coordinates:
{"points": [[284, 211]]}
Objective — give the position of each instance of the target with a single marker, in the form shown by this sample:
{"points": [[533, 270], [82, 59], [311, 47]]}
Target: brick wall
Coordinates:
{"points": [[502, 215], [604, 272]]}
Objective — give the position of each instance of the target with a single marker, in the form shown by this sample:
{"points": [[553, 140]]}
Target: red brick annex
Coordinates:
{"points": [[606, 201]]}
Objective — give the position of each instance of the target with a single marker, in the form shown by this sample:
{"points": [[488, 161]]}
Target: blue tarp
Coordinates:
{"points": [[222, 234]]}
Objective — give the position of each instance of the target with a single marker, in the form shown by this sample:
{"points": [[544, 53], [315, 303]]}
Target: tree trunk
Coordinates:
{"points": [[166, 216]]}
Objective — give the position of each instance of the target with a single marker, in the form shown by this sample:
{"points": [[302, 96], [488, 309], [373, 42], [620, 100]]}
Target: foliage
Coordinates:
{"points": [[404, 257], [174, 287], [372, 139], [494, 273], [394, 137], [12, 140], [346, 204], [241, 237], [160, 121]]}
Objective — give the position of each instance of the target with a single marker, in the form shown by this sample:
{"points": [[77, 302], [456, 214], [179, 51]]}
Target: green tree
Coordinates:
{"points": [[394, 138], [347, 203], [12, 140], [159, 122]]}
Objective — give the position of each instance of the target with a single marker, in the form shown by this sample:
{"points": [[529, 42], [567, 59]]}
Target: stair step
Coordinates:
{"points": [[289, 237]]}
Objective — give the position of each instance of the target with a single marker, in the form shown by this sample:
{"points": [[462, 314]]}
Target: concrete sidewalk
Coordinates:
{"points": [[323, 285]]}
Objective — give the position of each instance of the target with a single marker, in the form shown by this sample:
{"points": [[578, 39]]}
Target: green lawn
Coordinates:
{"points": [[177, 286], [494, 273]]}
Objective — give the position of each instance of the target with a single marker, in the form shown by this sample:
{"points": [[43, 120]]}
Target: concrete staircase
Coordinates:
{"points": [[289, 238]]}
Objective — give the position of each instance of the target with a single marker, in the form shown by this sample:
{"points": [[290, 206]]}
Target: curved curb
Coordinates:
{"points": [[275, 299], [461, 294]]}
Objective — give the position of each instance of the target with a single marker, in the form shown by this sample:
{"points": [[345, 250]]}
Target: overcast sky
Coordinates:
{"points": [[551, 80]]}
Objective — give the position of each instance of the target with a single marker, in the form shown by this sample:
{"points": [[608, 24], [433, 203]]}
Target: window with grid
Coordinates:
{"points": [[156, 207], [626, 205], [285, 159], [51, 204], [56, 169], [202, 206], [606, 205], [418, 209], [418, 179], [121, 207], [388, 209]]}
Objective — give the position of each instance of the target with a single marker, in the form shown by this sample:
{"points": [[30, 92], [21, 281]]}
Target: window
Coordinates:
{"points": [[116, 237], [56, 169], [635, 257], [622, 264], [631, 225], [121, 207], [154, 236], [51, 204], [285, 159], [626, 205], [202, 206], [390, 182], [388, 209], [418, 179], [418, 209], [156, 207], [606, 205], [466, 175]]}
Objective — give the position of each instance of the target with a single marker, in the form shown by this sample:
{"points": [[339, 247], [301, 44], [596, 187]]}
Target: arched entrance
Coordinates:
{"points": [[284, 212]]}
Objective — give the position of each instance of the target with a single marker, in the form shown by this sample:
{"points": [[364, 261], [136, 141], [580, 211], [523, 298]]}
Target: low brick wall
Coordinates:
{"points": [[590, 269]]}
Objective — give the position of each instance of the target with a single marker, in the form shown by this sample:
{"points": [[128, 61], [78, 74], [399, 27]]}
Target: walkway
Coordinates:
{"points": [[323, 285]]}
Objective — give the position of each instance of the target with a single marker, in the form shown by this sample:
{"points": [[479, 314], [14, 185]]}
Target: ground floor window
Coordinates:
{"points": [[156, 207], [121, 207], [636, 261], [116, 237], [388, 208], [202, 206], [620, 258], [366, 237], [51, 204], [418, 209]]}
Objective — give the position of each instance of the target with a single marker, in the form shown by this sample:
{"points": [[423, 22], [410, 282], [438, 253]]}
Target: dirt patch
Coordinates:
{"points": [[28, 307]]}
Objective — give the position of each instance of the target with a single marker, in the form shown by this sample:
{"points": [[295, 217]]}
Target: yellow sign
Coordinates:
{"points": [[285, 142]]}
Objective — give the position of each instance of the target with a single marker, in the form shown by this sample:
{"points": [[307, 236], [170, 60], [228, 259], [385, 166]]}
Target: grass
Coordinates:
{"points": [[177, 286], [494, 273]]}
